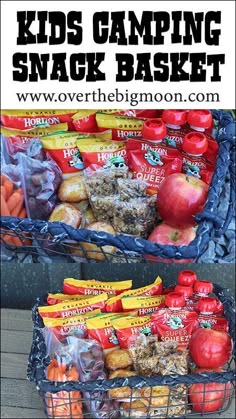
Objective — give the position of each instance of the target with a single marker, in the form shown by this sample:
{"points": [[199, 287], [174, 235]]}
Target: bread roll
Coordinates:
{"points": [[91, 250], [72, 190], [66, 213]]}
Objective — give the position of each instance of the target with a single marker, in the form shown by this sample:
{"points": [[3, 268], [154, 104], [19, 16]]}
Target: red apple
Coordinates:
{"points": [[165, 234], [210, 348], [209, 397], [180, 198]]}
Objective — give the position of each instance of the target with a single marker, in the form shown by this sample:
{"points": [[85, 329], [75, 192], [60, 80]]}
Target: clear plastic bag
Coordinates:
{"points": [[136, 216], [40, 181], [91, 367], [131, 188]]}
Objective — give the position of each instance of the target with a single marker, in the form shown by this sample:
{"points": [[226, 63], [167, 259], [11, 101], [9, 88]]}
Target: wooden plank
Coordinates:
{"points": [[16, 341], [17, 412], [14, 365], [20, 393], [16, 320]]}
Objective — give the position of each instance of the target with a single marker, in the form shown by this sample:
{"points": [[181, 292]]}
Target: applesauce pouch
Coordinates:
{"points": [[23, 119], [114, 304], [63, 327], [74, 308], [64, 151], [152, 162], [130, 326], [212, 321], [121, 126], [100, 154], [198, 167], [85, 121], [176, 325], [144, 304], [94, 287]]}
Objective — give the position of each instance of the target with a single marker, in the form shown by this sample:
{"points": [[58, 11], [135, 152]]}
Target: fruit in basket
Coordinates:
{"points": [[92, 251], [180, 198], [68, 214], [164, 234], [210, 348], [209, 397]]}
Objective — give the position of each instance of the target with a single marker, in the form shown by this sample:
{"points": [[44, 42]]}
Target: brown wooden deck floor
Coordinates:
{"points": [[19, 398]]}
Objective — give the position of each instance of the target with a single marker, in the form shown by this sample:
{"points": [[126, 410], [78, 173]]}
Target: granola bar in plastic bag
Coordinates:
{"points": [[136, 216]]}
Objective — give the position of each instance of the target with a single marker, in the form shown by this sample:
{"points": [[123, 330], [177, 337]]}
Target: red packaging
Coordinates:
{"points": [[102, 154], [152, 163], [114, 304], [85, 121], [74, 308], [121, 126], [126, 327], [101, 329], [195, 145], [59, 298], [207, 306], [144, 304], [177, 325], [26, 119], [93, 287]]}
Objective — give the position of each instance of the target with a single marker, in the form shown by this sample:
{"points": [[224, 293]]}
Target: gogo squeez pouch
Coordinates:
{"points": [[152, 162]]}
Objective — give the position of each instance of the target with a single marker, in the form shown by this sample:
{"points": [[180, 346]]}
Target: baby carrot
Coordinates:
{"points": [[13, 201], [20, 191], [4, 208], [3, 178], [22, 213], [8, 239], [17, 241], [16, 211], [9, 188], [3, 191]]}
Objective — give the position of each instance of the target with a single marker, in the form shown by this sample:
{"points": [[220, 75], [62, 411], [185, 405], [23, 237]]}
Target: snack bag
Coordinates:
{"points": [[152, 162], [17, 141], [93, 287], [100, 328], [91, 367], [26, 118], [122, 126], [129, 326], [63, 367], [59, 298], [13, 204], [63, 148], [73, 308], [177, 325], [85, 121], [144, 304], [69, 326], [114, 304], [103, 154], [40, 181]]}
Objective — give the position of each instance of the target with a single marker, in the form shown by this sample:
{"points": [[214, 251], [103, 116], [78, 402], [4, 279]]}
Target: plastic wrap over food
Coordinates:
{"points": [[91, 367], [136, 217]]}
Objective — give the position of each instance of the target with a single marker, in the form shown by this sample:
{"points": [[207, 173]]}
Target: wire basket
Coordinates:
{"points": [[160, 396], [58, 241]]}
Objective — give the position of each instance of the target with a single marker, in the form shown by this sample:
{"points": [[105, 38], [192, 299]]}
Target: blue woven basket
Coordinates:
{"points": [[38, 361], [51, 238]]}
